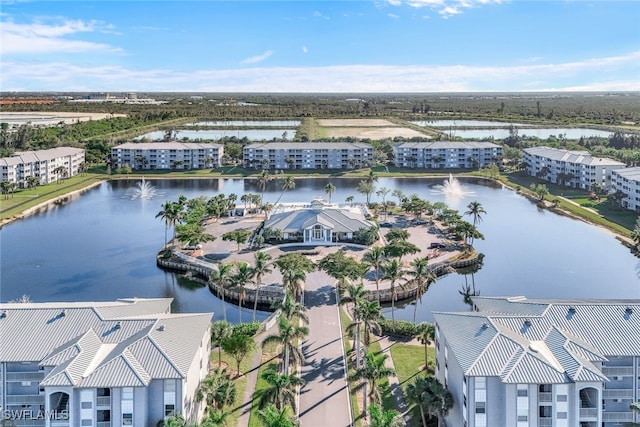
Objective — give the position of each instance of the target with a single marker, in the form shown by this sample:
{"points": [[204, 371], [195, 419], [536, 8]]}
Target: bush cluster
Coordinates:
{"points": [[249, 329], [402, 328]]}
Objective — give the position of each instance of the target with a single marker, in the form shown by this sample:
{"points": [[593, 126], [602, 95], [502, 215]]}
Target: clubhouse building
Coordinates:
{"points": [[318, 222], [130, 362], [446, 154], [167, 155], [547, 363], [46, 166], [307, 155]]}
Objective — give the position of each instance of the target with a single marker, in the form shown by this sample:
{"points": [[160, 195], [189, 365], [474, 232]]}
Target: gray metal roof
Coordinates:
{"points": [[629, 173], [447, 145], [108, 344], [174, 145], [338, 220], [578, 157], [23, 157], [541, 341], [308, 146]]}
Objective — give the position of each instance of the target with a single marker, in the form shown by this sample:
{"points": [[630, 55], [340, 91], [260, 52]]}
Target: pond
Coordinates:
{"points": [[568, 133], [249, 123], [464, 123], [102, 245], [250, 134]]}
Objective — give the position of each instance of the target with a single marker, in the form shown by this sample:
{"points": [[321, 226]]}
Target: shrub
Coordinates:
{"points": [[402, 328], [249, 329]]}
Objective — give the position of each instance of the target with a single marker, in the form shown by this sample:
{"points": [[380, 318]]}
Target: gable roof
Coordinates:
{"points": [[339, 220], [541, 341], [116, 344]]}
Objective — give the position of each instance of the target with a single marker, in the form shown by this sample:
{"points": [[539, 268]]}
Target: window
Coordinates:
{"points": [[561, 398], [127, 406], [544, 388], [481, 407], [522, 392], [545, 411], [86, 405], [103, 415], [169, 410], [562, 416]]}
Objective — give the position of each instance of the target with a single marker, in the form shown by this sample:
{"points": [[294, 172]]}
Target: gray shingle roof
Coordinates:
{"points": [[22, 157], [629, 173], [114, 344], [578, 157], [337, 219], [447, 144], [166, 146], [307, 145], [541, 341]]}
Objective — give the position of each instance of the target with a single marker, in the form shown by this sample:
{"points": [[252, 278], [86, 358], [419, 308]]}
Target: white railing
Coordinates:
{"points": [[103, 401], [588, 412], [25, 399], [545, 397], [545, 422], [620, 371], [617, 394], [617, 416]]}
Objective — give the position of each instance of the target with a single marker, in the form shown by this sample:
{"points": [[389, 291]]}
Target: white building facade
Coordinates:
{"points": [[544, 363], [167, 155], [446, 154], [46, 165], [576, 169], [104, 364], [307, 155], [628, 181]]}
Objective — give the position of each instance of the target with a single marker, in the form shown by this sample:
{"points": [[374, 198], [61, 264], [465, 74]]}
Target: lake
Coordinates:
{"points": [[463, 123], [216, 134], [102, 246], [249, 123]]}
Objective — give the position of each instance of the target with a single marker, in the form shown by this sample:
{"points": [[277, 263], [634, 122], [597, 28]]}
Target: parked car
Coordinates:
{"points": [[386, 225], [437, 245], [419, 221], [192, 248]]}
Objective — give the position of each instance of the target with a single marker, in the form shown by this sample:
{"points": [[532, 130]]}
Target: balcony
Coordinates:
{"points": [[103, 401], [618, 371], [617, 416], [617, 393], [25, 376], [545, 422], [588, 413], [25, 399], [545, 397]]}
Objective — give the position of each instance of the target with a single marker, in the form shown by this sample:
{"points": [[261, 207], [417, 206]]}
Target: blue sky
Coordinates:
{"points": [[320, 46]]}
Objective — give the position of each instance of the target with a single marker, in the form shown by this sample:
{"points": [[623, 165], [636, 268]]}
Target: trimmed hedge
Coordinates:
{"points": [[402, 328], [250, 328]]}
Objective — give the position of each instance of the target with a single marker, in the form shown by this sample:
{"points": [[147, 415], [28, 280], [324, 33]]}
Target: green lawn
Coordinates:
{"points": [[241, 383], [408, 359]]}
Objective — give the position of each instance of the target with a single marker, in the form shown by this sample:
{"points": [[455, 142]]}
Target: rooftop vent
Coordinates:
{"points": [[572, 310], [527, 322], [161, 328], [63, 312], [3, 314], [628, 310], [117, 326], [484, 325]]}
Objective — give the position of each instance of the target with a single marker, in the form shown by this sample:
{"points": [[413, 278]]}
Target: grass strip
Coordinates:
{"points": [[269, 361], [408, 360], [241, 382]]}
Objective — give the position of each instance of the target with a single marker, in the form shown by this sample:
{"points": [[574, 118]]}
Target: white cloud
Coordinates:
{"points": [[392, 15], [445, 8], [589, 74], [320, 15], [304, 49], [257, 58], [49, 36]]}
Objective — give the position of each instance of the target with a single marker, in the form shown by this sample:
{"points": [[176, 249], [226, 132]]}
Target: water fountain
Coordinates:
{"points": [[451, 188], [144, 190]]}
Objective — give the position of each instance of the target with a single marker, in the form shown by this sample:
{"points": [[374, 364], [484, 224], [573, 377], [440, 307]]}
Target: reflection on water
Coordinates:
{"points": [[102, 246]]}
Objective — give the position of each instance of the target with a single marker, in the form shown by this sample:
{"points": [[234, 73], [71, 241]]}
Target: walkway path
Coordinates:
{"points": [[324, 399], [252, 378]]}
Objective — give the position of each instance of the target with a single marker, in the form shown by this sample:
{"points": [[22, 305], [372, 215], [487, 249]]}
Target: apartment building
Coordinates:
{"points": [[446, 154], [46, 165], [307, 155], [167, 155], [544, 363], [125, 363], [577, 169], [627, 180]]}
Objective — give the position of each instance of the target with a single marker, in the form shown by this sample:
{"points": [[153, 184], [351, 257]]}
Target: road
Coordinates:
{"points": [[324, 399]]}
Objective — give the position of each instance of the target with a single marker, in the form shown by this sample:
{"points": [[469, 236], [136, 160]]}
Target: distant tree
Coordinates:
{"points": [[238, 236], [367, 188], [329, 189], [238, 346]]}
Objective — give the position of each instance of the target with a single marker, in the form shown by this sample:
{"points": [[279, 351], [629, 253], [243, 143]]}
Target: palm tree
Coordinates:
{"points": [[290, 309], [349, 200], [374, 258], [329, 189], [431, 397], [378, 417], [370, 314], [217, 390], [281, 389], [286, 183], [261, 266], [215, 419], [272, 417], [220, 331], [220, 278], [422, 277], [356, 295], [170, 213], [242, 276], [382, 193], [288, 337], [60, 172], [392, 271], [426, 335], [263, 179], [399, 194], [374, 370], [476, 210]]}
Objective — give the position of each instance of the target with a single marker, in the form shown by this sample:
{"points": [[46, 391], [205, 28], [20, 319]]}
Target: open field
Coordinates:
{"points": [[41, 118], [373, 132], [355, 122]]}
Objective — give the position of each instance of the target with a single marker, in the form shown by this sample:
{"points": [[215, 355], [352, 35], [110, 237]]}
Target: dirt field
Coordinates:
{"points": [[373, 133], [355, 122], [39, 118]]}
